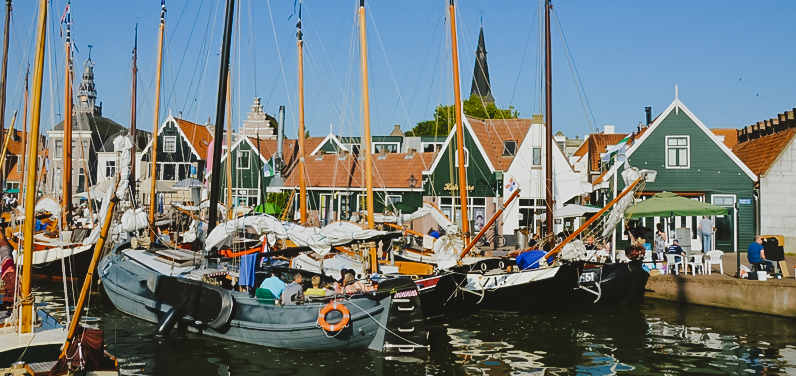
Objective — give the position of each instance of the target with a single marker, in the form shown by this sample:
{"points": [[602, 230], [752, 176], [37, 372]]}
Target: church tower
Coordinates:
{"points": [[87, 93], [481, 85]]}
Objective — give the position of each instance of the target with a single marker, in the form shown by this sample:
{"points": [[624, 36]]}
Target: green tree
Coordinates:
{"points": [[444, 116]]}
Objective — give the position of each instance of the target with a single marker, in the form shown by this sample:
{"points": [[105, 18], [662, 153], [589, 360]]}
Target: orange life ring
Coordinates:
{"points": [[333, 306]]}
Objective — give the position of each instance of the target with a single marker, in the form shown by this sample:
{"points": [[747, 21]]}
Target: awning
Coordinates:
{"points": [[667, 204]]}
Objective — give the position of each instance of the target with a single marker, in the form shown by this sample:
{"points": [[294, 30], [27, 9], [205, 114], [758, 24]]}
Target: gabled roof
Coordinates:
{"points": [[761, 153], [390, 170], [730, 136], [466, 126], [330, 137], [197, 135], [491, 133], [597, 144], [677, 105]]}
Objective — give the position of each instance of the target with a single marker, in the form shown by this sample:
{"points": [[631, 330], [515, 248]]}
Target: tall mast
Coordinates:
{"points": [[219, 131], [154, 150], [229, 149], [366, 111], [26, 319], [457, 98], [3, 71], [24, 133], [548, 126], [302, 180], [133, 109], [66, 199]]}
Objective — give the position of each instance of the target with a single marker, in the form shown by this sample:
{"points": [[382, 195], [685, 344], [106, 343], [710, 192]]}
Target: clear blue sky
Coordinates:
{"points": [[733, 60]]}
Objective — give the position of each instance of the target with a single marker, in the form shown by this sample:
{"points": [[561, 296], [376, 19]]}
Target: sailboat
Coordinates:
{"points": [[29, 334], [152, 287]]}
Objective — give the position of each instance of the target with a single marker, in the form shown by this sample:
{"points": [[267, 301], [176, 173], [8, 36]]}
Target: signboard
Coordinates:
{"points": [[744, 201]]}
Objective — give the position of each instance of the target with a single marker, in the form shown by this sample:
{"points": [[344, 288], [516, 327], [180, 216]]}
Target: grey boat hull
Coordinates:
{"points": [[126, 280]]}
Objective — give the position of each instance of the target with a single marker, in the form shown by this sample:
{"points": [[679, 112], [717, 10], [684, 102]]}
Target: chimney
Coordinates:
{"points": [[538, 119], [343, 155], [608, 129], [410, 153], [383, 153], [397, 131], [280, 137], [648, 110]]}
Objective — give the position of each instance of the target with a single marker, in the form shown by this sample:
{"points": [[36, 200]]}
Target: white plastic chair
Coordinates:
{"points": [[714, 258], [671, 262], [696, 261]]}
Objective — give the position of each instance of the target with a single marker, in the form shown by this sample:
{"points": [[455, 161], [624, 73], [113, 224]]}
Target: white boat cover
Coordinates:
{"points": [[49, 205], [320, 240], [134, 220]]}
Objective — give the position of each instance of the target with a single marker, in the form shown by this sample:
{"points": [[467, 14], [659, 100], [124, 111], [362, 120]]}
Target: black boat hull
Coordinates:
{"points": [[611, 284]]}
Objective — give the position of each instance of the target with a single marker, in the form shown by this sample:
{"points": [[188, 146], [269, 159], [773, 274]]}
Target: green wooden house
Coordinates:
{"points": [[693, 162], [251, 171]]}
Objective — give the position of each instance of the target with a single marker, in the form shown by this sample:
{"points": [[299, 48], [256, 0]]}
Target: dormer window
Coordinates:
{"points": [[509, 148], [170, 144]]}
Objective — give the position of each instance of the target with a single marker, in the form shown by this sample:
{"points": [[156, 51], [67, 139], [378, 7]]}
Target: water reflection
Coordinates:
{"points": [[652, 338]]}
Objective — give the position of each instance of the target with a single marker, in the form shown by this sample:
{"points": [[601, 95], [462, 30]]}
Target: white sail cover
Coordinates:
{"points": [[134, 220], [49, 205], [447, 247], [320, 240]]}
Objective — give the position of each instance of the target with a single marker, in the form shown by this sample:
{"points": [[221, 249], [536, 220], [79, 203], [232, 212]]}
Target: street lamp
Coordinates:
{"points": [[412, 181]]}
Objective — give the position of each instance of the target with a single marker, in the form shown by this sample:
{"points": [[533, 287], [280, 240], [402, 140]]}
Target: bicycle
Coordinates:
{"points": [[489, 238]]}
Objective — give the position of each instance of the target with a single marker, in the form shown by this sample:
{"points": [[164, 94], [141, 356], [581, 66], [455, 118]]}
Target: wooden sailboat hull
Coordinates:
{"points": [[42, 345], [291, 327], [520, 292], [47, 261], [612, 284]]}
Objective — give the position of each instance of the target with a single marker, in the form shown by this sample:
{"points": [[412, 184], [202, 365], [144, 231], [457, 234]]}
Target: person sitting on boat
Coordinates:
{"points": [[433, 233], [590, 244], [9, 273], [352, 286], [293, 293], [316, 290], [675, 249], [273, 283]]}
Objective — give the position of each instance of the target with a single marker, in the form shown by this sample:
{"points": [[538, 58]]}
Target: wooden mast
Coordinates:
{"points": [[215, 183], [302, 179], [457, 98], [366, 112], [133, 109], [26, 319], [66, 172], [24, 134], [3, 76], [229, 150], [548, 128], [154, 149]]}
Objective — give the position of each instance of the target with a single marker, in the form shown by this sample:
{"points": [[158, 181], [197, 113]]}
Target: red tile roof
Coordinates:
{"points": [[759, 154], [597, 144], [491, 133], [730, 136], [198, 135], [15, 147], [391, 170]]}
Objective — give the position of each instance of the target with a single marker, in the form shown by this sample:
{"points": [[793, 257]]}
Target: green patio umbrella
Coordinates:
{"points": [[268, 208], [666, 204]]}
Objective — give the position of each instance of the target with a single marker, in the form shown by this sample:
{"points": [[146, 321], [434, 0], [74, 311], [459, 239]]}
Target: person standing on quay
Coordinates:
{"points": [[707, 228]]}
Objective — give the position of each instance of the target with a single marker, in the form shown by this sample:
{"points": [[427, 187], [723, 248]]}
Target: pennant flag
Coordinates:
{"points": [[268, 169], [65, 18], [512, 185], [619, 148]]}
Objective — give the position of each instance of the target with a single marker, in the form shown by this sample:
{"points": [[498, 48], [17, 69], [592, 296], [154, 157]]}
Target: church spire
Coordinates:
{"points": [[87, 91], [481, 85]]}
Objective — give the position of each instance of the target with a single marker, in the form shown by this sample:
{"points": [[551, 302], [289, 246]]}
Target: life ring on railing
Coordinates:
{"points": [[333, 306]]}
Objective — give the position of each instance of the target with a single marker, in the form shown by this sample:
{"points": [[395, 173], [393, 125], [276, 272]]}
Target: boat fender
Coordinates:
{"points": [[167, 322], [152, 283], [333, 306]]}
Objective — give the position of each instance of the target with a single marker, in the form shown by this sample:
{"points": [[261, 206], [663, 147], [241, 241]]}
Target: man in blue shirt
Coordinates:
{"points": [[756, 255], [273, 284], [675, 249]]}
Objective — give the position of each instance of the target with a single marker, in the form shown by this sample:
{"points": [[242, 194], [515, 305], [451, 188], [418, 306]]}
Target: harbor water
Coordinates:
{"points": [[653, 337]]}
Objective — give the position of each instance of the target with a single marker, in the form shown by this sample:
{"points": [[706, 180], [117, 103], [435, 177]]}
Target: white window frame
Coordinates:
{"points": [[387, 202], [687, 147], [376, 145], [59, 149], [533, 157], [423, 145], [513, 153], [107, 166], [169, 140], [240, 157], [466, 158]]}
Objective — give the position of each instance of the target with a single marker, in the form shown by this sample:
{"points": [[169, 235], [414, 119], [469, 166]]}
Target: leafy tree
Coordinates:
{"points": [[444, 116]]}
